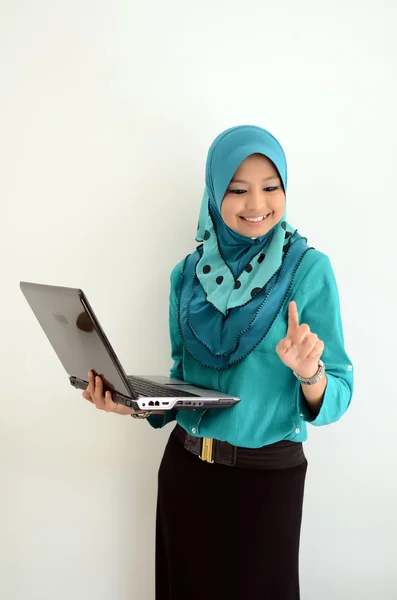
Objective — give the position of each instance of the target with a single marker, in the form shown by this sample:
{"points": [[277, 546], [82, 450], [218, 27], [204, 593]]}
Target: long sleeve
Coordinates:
{"points": [[176, 372], [318, 303]]}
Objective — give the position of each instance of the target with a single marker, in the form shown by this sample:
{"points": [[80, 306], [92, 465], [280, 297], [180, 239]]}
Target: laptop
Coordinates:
{"points": [[78, 339]]}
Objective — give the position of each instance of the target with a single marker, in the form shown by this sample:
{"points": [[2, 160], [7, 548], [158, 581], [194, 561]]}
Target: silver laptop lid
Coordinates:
{"points": [[63, 315]]}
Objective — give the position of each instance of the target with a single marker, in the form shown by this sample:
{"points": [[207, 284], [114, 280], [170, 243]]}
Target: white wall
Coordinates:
{"points": [[107, 110]]}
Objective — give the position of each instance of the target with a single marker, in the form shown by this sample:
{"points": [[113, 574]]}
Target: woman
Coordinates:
{"points": [[254, 312]]}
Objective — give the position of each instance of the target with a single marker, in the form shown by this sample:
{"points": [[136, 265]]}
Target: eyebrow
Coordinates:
{"points": [[247, 182]]}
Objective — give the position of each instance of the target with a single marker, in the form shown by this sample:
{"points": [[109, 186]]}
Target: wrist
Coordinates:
{"points": [[308, 372], [140, 415], [311, 375]]}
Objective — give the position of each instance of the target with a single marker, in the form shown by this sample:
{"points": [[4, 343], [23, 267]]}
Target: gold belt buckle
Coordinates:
{"points": [[206, 450]]}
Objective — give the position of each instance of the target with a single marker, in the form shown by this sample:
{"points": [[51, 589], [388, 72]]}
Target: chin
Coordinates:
{"points": [[255, 232]]}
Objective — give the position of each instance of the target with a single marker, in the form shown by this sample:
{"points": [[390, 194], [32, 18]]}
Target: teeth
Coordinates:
{"points": [[256, 220]]}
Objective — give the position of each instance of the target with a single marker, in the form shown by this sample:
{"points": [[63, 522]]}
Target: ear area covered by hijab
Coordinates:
{"points": [[233, 287]]}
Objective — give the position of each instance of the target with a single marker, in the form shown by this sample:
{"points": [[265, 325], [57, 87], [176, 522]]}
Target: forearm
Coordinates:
{"points": [[314, 394]]}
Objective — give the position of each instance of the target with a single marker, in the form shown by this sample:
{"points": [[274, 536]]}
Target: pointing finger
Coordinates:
{"points": [[293, 317], [299, 335]]}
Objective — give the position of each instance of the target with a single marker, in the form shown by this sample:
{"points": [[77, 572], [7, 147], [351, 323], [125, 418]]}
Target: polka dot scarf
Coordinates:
{"points": [[233, 287]]}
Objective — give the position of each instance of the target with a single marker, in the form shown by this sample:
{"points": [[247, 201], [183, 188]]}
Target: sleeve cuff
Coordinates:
{"points": [[174, 374], [160, 421], [337, 397], [305, 412]]}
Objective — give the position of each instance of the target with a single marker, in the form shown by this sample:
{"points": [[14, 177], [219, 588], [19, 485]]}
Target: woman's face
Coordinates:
{"points": [[254, 200]]}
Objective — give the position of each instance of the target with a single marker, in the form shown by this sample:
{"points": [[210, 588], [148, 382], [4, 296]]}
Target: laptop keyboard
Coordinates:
{"points": [[147, 389]]}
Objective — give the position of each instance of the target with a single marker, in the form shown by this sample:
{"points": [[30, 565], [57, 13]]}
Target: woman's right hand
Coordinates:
{"points": [[104, 401]]}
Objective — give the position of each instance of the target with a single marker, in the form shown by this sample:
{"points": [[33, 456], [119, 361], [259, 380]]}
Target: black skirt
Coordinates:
{"points": [[227, 533]]}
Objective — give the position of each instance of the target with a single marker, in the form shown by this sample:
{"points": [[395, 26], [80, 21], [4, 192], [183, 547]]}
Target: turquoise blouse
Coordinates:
{"points": [[272, 406]]}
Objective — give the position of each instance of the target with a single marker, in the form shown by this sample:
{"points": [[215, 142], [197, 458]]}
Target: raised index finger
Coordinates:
{"points": [[293, 317]]}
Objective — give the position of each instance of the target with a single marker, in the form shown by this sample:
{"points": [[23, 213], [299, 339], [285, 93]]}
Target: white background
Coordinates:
{"points": [[107, 110]]}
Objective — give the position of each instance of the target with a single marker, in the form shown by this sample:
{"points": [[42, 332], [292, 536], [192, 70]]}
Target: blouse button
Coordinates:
{"points": [[297, 430], [194, 430]]}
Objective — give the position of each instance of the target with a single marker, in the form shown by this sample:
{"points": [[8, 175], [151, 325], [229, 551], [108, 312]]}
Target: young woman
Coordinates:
{"points": [[254, 312]]}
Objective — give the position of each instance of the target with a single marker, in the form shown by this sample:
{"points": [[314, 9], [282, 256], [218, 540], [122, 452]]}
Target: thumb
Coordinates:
{"points": [[283, 346]]}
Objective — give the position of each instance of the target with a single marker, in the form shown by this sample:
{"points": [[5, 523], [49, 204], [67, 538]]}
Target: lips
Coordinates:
{"points": [[255, 220]]}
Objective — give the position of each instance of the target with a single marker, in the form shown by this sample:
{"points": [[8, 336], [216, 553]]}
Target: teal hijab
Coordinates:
{"points": [[233, 287]]}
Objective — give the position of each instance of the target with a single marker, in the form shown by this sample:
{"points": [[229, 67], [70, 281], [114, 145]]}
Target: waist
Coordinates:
{"points": [[281, 455]]}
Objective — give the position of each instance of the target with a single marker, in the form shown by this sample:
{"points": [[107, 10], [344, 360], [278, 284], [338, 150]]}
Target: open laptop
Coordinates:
{"points": [[78, 339]]}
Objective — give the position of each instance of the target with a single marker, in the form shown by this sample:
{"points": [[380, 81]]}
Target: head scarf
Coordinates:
{"points": [[233, 287]]}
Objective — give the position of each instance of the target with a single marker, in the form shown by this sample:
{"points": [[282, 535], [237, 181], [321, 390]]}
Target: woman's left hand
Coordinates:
{"points": [[301, 349]]}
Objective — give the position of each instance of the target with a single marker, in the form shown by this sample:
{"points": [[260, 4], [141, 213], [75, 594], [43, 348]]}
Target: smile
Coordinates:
{"points": [[255, 220]]}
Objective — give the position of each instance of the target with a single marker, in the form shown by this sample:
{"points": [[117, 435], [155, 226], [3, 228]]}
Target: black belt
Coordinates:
{"points": [[281, 455]]}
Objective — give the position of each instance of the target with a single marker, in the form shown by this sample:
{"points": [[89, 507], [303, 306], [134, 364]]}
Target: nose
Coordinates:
{"points": [[256, 200]]}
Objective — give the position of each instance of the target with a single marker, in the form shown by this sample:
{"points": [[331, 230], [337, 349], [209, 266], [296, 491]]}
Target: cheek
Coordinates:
{"points": [[230, 207], [279, 204]]}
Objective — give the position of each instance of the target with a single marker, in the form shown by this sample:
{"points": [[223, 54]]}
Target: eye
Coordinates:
{"points": [[237, 191], [271, 188]]}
